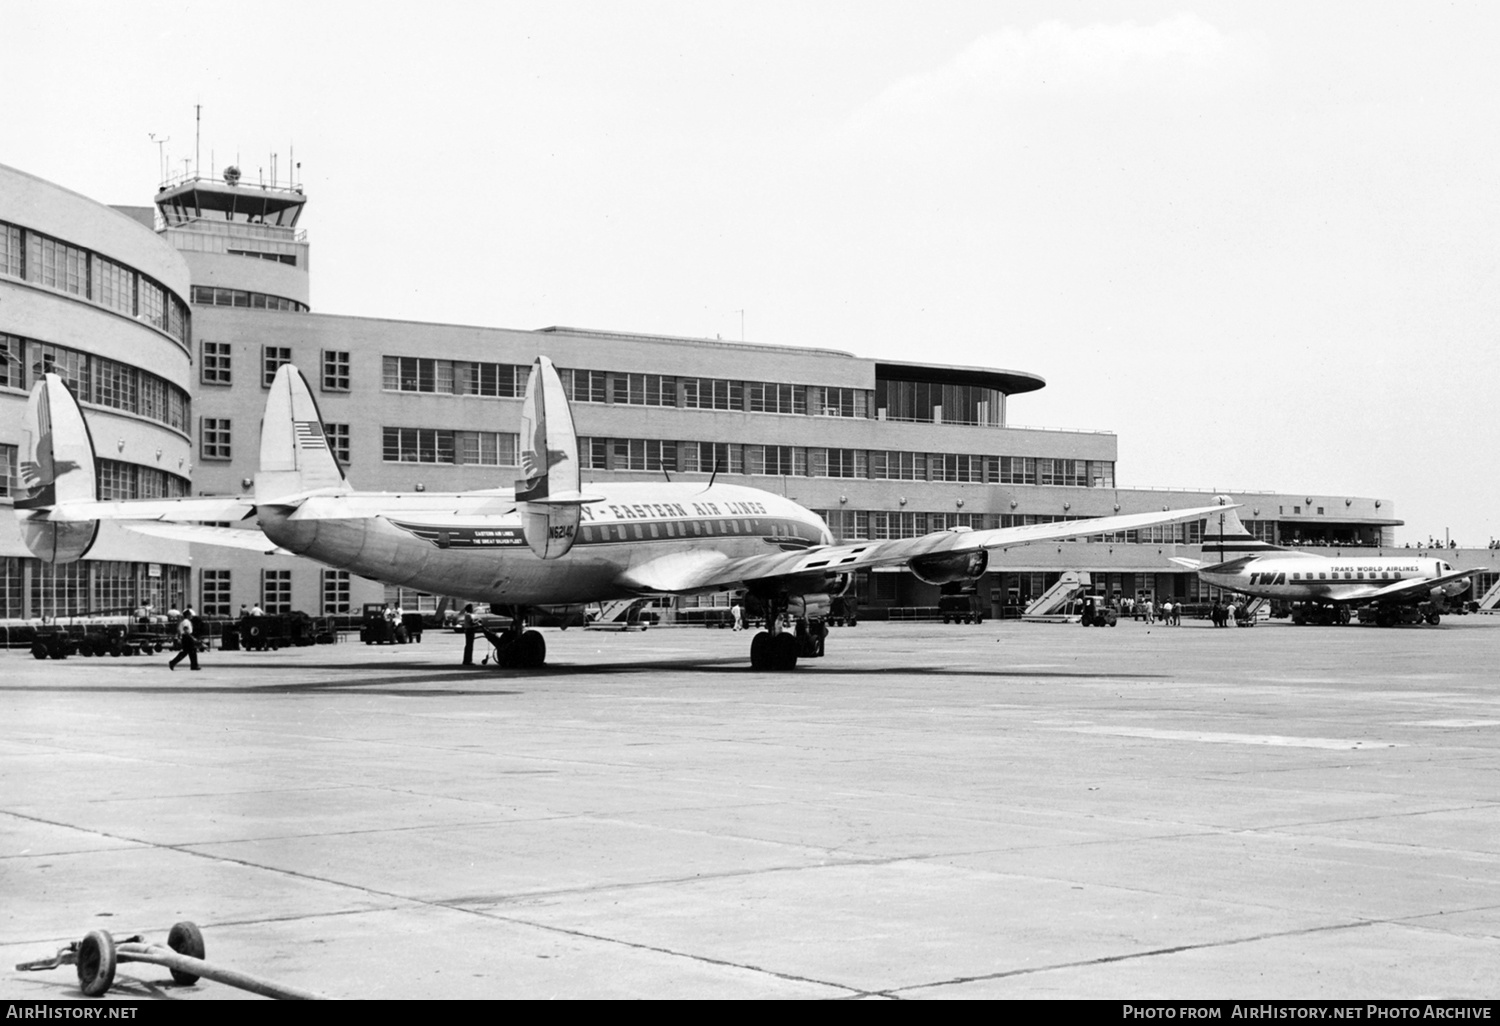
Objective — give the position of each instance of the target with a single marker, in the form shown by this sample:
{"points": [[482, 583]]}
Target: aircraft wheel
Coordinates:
{"points": [[96, 963], [760, 651], [531, 650], [784, 652], [1433, 618], [186, 939]]}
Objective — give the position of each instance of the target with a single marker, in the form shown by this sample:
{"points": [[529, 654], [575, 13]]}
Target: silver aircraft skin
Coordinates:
{"points": [[1324, 589], [546, 542]]}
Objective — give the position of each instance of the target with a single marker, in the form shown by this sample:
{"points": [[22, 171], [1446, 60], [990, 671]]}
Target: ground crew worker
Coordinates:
{"points": [[185, 638], [467, 622]]}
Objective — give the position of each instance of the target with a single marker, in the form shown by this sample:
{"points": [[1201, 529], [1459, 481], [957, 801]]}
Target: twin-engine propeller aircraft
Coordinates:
{"points": [[544, 543], [1402, 589]]}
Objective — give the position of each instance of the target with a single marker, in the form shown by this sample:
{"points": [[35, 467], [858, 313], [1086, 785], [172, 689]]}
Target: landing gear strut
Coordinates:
{"points": [[517, 648]]}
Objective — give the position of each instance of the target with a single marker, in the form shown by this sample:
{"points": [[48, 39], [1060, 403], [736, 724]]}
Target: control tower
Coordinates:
{"points": [[240, 240]]}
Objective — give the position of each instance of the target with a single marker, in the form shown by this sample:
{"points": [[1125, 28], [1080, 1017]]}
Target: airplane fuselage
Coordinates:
{"points": [[487, 559], [1303, 577]]}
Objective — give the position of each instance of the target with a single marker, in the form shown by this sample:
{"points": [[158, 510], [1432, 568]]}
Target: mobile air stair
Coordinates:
{"points": [[1059, 603]]}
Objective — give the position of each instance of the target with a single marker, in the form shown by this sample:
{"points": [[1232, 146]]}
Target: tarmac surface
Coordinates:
{"points": [[1007, 810]]}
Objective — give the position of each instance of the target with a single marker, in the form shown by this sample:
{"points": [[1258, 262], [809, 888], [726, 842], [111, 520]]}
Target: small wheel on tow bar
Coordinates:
{"points": [[96, 963], [186, 939]]}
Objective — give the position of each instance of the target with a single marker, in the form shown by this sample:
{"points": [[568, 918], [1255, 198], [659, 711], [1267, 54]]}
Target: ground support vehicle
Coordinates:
{"points": [[960, 607], [1096, 612], [116, 640], [52, 642]]}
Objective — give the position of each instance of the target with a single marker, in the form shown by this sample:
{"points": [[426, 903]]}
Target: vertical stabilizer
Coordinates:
{"points": [[294, 455], [1225, 536], [548, 496], [56, 466]]}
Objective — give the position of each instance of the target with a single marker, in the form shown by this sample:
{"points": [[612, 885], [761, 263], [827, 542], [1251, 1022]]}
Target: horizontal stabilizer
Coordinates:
{"points": [[357, 505], [177, 510]]}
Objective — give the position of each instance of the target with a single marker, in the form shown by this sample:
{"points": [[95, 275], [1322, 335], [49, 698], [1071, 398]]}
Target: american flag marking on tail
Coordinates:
{"points": [[308, 434]]}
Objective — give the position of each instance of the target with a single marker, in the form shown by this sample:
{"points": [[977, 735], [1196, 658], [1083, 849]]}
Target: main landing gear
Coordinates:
{"points": [[517, 648], [778, 647]]}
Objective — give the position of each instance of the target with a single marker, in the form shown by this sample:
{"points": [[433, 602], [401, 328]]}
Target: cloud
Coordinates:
{"points": [[1055, 59]]}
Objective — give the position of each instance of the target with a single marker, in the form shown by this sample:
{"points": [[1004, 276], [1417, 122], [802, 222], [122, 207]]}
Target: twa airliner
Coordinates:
{"points": [[545, 543], [1402, 589]]}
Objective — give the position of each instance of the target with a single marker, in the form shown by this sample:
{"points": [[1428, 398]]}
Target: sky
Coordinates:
{"points": [[1259, 242]]}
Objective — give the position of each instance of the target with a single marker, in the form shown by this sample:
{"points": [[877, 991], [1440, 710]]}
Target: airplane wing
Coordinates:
{"points": [[686, 572], [202, 534], [1405, 589]]}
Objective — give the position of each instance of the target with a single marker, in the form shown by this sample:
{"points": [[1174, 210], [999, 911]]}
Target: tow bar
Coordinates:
{"points": [[98, 953]]}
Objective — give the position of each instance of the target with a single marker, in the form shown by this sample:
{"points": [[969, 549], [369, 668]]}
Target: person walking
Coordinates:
{"points": [[188, 643], [466, 620], [737, 613]]}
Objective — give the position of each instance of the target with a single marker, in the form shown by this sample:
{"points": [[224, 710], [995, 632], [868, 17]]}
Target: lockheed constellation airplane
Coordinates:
{"points": [[1403, 589], [544, 543]]}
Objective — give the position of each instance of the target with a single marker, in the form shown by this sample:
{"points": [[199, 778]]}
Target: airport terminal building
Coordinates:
{"points": [[171, 335]]}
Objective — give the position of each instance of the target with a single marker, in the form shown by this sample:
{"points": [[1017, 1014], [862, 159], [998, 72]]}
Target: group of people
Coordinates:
{"points": [[1224, 613]]}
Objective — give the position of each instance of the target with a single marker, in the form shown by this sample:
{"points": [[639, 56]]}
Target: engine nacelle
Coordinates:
{"points": [[950, 567]]}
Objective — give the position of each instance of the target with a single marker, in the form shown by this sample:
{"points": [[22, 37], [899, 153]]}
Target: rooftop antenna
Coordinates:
{"points": [[197, 139], [161, 155]]}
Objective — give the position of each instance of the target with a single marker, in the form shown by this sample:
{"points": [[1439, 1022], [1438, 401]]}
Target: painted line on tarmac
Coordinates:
{"points": [[1213, 737]]}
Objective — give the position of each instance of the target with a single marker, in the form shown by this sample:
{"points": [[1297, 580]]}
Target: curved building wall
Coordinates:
{"points": [[92, 294]]}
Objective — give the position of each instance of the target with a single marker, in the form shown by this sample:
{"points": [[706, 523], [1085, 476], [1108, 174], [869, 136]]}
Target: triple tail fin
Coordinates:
{"points": [[295, 459], [1225, 537], [56, 467], [548, 496]]}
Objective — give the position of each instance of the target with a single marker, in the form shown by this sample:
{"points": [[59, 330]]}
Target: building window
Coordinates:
{"points": [[57, 265], [214, 366], [644, 454], [337, 436], [271, 359], [213, 593], [416, 445], [114, 285], [335, 371], [213, 438], [487, 448], [336, 593], [842, 402], [7, 467], [712, 457], [12, 365], [276, 591], [12, 255], [114, 384], [771, 397], [585, 386], [713, 394], [645, 389]]}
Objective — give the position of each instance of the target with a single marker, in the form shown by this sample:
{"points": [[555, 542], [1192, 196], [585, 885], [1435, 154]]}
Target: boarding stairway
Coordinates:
{"points": [[618, 615], [1490, 603], [1058, 603]]}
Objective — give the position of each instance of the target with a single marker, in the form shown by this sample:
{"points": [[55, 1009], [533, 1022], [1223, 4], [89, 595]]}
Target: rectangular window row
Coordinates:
{"points": [[441, 445], [57, 264], [815, 461], [94, 379], [205, 295], [452, 377]]}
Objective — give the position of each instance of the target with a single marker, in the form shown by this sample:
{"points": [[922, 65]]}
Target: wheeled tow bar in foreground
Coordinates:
{"points": [[98, 953]]}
